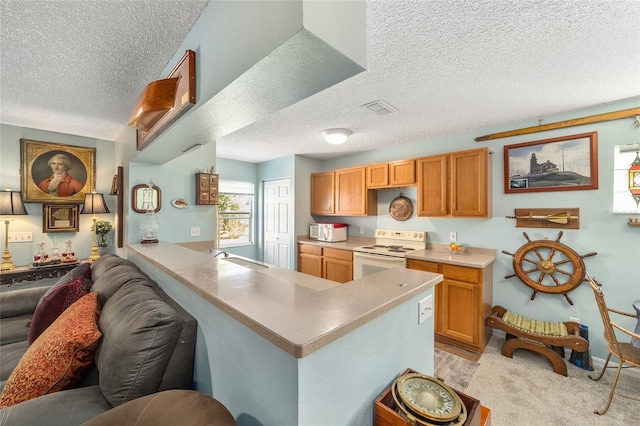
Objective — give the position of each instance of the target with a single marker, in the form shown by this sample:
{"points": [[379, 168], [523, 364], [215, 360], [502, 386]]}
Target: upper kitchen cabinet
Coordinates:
{"points": [[455, 184], [342, 193], [391, 175], [322, 188]]}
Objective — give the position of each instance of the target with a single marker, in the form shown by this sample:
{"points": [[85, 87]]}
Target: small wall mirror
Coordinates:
{"points": [[138, 199]]}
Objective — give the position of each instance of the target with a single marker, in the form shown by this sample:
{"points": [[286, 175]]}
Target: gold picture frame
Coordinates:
{"points": [[60, 218], [39, 182]]}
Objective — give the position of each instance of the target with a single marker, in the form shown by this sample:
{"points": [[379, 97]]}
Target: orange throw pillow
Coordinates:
{"points": [[59, 356]]}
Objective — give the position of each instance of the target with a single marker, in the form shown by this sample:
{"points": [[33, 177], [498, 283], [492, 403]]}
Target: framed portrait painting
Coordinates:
{"points": [[60, 218], [567, 163], [56, 173]]}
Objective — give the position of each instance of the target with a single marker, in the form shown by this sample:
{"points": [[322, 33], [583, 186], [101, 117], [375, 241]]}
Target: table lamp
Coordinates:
{"points": [[10, 205], [94, 204]]}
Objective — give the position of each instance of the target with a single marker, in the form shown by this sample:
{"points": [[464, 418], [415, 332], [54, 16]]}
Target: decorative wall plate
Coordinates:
{"points": [[401, 208], [179, 203]]}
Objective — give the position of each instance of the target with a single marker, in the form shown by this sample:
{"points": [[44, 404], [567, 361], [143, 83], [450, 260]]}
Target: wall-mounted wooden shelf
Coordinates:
{"points": [[185, 98], [206, 189], [547, 218]]}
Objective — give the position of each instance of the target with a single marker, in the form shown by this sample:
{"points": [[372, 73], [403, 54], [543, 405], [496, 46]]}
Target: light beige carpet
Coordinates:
{"points": [[456, 372], [524, 390]]}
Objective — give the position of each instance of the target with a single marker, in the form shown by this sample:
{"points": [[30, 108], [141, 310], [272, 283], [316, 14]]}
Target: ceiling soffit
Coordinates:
{"points": [[301, 66]]}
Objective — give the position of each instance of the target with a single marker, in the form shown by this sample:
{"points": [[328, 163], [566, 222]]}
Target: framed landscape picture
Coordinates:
{"points": [[56, 173], [567, 163]]}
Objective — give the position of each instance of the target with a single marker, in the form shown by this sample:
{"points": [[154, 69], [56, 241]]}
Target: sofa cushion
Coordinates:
{"points": [[139, 331], [81, 271], [54, 302], [20, 302], [14, 329], [107, 284], [70, 407], [10, 356], [105, 263], [58, 357]]}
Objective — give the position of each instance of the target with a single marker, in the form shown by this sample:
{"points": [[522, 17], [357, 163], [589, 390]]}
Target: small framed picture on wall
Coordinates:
{"points": [[60, 218]]}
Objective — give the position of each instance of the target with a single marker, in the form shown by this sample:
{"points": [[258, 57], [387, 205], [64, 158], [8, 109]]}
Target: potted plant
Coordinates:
{"points": [[103, 227]]}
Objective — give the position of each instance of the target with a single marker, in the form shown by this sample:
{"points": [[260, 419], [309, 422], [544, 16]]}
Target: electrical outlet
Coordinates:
{"points": [[20, 237], [195, 231], [425, 309], [453, 237], [361, 230], [574, 319]]}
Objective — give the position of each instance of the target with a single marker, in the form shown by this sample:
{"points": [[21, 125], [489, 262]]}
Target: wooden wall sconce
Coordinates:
{"points": [[162, 102], [547, 218]]}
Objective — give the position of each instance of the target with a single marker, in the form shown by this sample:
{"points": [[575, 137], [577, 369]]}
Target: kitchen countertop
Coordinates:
{"points": [[294, 311], [473, 257]]}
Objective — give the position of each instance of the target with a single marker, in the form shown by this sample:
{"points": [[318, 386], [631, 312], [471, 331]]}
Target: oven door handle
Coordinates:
{"points": [[378, 257]]}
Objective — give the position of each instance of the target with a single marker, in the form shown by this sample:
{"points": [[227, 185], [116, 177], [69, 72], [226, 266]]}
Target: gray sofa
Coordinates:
{"points": [[147, 346]]}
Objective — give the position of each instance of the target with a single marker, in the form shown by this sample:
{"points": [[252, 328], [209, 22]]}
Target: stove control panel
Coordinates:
{"points": [[388, 234]]}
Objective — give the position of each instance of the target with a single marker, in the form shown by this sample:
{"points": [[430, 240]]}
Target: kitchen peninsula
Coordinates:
{"points": [[279, 347]]}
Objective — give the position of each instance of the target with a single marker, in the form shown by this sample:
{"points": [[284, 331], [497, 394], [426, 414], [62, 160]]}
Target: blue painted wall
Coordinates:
{"points": [[617, 264], [82, 240]]}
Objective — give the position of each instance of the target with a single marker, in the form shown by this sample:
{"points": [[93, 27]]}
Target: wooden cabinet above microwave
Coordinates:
{"points": [[342, 192]]}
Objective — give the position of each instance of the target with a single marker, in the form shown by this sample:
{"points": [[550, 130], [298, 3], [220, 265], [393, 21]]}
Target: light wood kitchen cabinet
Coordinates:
{"points": [[455, 184], [342, 192], [337, 264], [322, 189], [332, 264], [462, 302], [391, 175], [310, 260]]}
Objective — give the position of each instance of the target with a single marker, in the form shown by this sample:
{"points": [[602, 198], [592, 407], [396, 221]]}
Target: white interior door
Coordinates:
{"points": [[277, 222]]}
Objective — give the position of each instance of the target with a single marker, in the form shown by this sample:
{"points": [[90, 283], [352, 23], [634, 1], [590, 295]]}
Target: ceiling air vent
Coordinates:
{"points": [[380, 107]]}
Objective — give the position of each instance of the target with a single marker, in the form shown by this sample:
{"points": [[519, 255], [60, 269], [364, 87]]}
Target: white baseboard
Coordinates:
{"points": [[598, 363]]}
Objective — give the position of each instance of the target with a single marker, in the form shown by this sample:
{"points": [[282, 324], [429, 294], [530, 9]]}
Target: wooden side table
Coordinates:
{"points": [[25, 273]]}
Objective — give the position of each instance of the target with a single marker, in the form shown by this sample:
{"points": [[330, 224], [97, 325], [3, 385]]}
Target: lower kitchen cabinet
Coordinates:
{"points": [[332, 264], [462, 302], [338, 265], [310, 260]]}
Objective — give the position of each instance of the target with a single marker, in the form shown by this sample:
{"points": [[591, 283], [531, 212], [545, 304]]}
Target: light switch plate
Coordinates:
{"points": [[20, 237]]}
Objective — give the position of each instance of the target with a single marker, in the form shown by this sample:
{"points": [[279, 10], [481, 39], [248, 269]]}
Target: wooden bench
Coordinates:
{"points": [[546, 338]]}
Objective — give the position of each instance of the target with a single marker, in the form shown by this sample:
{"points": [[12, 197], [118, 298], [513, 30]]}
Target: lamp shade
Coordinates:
{"points": [[11, 203], [94, 204]]}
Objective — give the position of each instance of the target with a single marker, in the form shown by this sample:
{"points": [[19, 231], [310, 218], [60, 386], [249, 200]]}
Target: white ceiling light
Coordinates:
{"points": [[336, 136]]}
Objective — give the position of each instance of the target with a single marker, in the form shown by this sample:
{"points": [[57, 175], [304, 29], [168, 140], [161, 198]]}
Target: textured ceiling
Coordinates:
{"points": [[78, 67], [447, 66]]}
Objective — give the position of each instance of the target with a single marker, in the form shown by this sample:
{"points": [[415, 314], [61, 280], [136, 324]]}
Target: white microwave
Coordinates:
{"points": [[329, 232]]}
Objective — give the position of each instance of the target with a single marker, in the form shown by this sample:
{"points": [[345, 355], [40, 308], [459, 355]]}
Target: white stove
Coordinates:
{"points": [[389, 251], [395, 243]]}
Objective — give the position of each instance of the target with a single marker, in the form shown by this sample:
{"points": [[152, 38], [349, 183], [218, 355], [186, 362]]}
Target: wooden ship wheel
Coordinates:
{"points": [[548, 266]]}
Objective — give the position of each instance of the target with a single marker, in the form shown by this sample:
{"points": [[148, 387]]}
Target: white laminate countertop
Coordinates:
{"points": [[473, 257], [294, 311]]}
